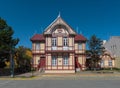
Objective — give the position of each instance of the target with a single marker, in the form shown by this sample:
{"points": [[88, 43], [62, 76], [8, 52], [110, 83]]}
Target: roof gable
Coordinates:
{"points": [[59, 21]]}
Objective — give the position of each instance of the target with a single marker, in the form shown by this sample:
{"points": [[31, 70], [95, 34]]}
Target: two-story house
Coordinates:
{"points": [[59, 49]]}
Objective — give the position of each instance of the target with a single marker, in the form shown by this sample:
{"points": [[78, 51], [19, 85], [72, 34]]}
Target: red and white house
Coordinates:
{"points": [[59, 49]]}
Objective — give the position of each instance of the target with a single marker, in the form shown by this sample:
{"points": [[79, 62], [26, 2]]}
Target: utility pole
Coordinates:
{"points": [[32, 68], [11, 62]]}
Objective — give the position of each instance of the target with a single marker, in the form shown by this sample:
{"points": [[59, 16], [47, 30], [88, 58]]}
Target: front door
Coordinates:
{"points": [[42, 62], [77, 64]]}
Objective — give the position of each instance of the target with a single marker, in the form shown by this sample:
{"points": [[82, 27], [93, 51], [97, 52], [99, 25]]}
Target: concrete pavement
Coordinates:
{"points": [[81, 75], [81, 83]]}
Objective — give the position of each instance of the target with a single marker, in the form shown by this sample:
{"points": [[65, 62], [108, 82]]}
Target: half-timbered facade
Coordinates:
{"points": [[59, 49]]}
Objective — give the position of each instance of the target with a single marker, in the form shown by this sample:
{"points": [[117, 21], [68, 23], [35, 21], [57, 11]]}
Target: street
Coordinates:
{"points": [[78, 83]]}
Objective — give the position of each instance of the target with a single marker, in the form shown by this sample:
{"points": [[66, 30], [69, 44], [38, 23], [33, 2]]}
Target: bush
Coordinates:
{"points": [[2, 64], [117, 69]]}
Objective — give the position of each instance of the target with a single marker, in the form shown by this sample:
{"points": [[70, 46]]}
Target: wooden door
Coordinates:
{"points": [[42, 62]]}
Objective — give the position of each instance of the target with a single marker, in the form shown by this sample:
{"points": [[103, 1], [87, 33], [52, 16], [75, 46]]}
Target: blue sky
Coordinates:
{"points": [[27, 17]]}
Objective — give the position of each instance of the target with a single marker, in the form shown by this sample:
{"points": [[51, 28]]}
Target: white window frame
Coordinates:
{"points": [[110, 62], [80, 46], [54, 41], [37, 46], [65, 41], [54, 60], [102, 63], [65, 60]]}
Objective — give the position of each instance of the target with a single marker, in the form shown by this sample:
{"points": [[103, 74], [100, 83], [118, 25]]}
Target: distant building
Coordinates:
{"points": [[59, 49], [112, 46], [107, 60]]}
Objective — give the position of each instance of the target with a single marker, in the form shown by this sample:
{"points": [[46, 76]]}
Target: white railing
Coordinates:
{"points": [[65, 48], [60, 48], [54, 48]]}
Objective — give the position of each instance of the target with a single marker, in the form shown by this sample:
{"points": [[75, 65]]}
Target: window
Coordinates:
{"points": [[65, 60], [79, 46], [37, 47], [65, 41], [110, 62], [102, 63], [53, 41], [54, 60]]}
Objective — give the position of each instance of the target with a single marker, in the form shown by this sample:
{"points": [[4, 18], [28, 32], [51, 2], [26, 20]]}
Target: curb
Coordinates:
{"points": [[44, 76], [18, 78]]}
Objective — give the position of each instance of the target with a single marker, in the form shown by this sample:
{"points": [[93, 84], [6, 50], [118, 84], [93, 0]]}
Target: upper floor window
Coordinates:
{"points": [[54, 42], [37, 46], [65, 41], [80, 46]]}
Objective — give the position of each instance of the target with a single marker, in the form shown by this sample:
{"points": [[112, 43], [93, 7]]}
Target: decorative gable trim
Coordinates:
{"points": [[59, 22]]}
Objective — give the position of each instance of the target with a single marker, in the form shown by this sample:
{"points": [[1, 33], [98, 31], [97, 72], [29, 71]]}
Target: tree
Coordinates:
{"points": [[23, 58], [7, 42], [95, 50]]}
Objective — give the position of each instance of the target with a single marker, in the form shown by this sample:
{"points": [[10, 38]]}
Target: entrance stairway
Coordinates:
{"points": [[41, 70], [78, 65]]}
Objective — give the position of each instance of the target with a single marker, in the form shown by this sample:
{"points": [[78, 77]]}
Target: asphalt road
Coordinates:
{"points": [[83, 83]]}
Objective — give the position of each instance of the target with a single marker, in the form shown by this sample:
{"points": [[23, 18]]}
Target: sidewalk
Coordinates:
{"points": [[83, 74], [37, 75], [28, 75]]}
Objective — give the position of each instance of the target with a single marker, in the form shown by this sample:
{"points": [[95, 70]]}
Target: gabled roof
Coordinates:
{"points": [[58, 21], [108, 54], [38, 37], [80, 38]]}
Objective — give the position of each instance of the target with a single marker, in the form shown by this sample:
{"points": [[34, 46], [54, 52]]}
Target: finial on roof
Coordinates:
{"points": [[80, 32], [77, 29], [59, 14]]}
